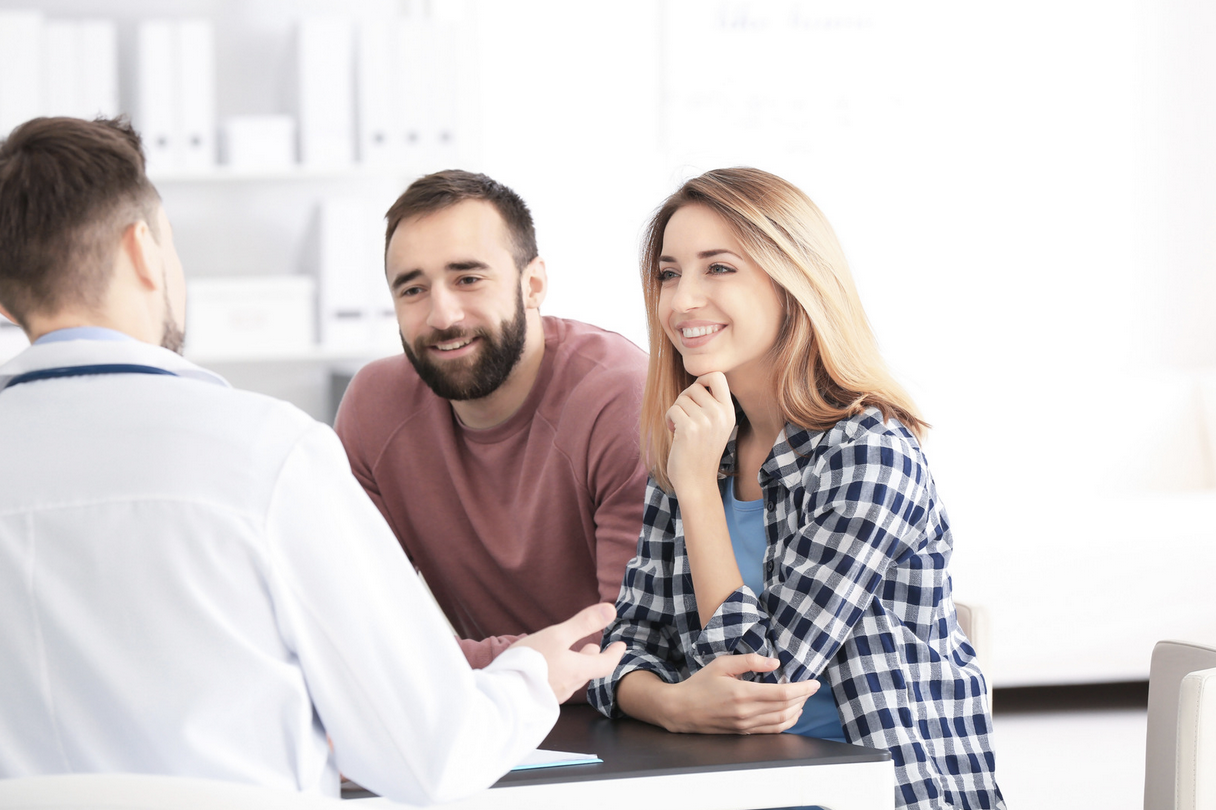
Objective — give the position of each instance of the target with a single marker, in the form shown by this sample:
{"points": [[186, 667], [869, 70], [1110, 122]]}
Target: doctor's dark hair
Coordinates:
{"points": [[68, 191], [440, 190]]}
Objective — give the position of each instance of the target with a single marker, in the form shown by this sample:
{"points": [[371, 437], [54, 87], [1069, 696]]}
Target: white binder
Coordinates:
{"points": [[443, 42], [60, 71], [20, 68], [155, 92], [97, 68], [376, 59], [325, 72], [343, 276], [410, 96], [81, 68], [195, 96]]}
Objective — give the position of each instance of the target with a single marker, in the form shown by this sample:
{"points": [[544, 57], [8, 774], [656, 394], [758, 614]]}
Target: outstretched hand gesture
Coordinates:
{"points": [[569, 670]]}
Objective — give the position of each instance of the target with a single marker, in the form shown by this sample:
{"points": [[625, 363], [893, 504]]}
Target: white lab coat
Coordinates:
{"points": [[192, 582]]}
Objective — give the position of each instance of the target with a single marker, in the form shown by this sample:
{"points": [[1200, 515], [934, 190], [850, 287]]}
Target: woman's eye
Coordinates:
{"points": [[667, 275], [719, 269]]}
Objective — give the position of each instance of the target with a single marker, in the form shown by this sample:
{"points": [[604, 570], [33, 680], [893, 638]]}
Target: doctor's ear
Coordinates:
{"points": [[141, 250], [535, 283]]}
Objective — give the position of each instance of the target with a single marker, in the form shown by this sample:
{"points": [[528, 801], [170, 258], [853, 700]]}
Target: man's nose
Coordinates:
{"points": [[445, 310]]}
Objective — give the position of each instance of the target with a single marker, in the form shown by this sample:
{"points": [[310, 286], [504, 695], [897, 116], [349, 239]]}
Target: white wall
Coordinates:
{"points": [[1026, 194]]}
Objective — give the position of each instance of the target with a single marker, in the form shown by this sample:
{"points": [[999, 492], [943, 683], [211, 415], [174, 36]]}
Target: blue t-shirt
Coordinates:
{"points": [[745, 521]]}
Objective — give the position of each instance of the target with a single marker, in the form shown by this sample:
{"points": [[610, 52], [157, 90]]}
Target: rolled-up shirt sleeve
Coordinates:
{"points": [[645, 607], [858, 512]]}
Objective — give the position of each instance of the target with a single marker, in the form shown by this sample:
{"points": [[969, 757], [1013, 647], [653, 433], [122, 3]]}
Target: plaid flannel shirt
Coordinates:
{"points": [[855, 589]]}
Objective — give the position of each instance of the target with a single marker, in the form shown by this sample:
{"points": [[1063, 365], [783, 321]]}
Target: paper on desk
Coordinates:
{"points": [[541, 758]]}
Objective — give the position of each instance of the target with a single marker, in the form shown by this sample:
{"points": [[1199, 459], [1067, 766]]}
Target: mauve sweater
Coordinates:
{"points": [[521, 525]]}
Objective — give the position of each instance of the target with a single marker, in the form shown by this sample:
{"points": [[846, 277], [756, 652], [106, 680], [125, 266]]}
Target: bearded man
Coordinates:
{"points": [[502, 447]]}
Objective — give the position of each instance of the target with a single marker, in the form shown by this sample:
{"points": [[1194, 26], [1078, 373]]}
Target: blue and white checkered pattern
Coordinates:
{"points": [[855, 588]]}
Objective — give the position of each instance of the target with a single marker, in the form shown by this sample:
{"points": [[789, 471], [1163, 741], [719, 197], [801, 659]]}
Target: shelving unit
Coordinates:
{"points": [[222, 174], [318, 354], [242, 222]]}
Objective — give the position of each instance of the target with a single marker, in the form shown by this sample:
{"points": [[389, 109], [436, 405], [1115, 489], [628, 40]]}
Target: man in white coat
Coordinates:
{"points": [[191, 580]]}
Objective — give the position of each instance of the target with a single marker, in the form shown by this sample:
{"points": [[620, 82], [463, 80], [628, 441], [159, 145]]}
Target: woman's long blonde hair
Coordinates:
{"points": [[826, 363]]}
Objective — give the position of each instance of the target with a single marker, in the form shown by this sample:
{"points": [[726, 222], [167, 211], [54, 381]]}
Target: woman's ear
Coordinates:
{"points": [[535, 283]]}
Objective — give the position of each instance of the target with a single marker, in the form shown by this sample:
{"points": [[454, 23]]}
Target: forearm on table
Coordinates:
{"points": [[645, 696]]}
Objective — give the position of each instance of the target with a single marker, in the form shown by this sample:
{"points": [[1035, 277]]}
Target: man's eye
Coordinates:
{"points": [[410, 292], [467, 280]]}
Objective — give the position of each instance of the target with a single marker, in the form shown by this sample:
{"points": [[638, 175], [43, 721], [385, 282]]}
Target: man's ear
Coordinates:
{"points": [[535, 283], [142, 252], [4, 313]]}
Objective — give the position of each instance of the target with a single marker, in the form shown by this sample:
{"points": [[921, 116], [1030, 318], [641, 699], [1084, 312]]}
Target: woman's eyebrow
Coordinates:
{"points": [[704, 254]]}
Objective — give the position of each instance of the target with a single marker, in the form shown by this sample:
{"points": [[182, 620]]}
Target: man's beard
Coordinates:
{"points": [[480, 377], [173, 337]]}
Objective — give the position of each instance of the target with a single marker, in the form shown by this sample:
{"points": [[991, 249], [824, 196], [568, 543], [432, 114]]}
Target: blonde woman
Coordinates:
{"points": [[791, 573]]}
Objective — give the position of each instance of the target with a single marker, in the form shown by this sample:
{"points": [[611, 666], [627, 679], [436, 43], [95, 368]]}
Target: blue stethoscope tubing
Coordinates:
{"points": [[84, 371]]}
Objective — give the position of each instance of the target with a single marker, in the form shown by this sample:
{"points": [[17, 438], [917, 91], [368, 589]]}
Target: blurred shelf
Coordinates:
{"points": [[315, 354], [230, 174]]}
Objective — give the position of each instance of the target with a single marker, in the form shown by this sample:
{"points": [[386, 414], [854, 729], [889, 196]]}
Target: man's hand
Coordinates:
{"points": [[569, 671], [715, 701]]}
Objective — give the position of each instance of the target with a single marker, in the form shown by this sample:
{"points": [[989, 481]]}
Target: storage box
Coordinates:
{"points": [[251, 316], [260, 141]]}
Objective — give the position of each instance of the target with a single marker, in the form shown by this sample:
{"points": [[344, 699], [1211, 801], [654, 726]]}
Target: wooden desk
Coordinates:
{"points": [[647, 767]]}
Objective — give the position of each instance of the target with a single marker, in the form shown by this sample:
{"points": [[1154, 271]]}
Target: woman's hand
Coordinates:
{"points": [[715, 700], [700, 420]]}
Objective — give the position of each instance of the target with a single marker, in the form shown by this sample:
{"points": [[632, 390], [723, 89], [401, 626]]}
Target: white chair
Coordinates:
{"points": [[1195, 778], [125, 791], [973, 619], [1180, 748]]}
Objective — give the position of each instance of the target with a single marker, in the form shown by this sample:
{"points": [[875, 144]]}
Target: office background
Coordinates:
{"points": [[1025, 192]]}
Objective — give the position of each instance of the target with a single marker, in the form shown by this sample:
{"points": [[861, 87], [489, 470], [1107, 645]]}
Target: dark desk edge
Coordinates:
{"points": [[630, 749]]}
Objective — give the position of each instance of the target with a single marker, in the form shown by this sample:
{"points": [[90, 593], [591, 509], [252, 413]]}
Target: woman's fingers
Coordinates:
{"points": [[717, 701], [715, 383], [700, 424], [677, 417]]}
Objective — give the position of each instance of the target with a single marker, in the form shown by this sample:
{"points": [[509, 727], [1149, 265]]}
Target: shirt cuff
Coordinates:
{"points": [[727, 628], [601, 692]]}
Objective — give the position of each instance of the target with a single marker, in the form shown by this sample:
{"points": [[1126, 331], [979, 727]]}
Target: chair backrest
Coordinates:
{"points": [[1195, 779], [973, 619], [125, 791], [1172, 661]]}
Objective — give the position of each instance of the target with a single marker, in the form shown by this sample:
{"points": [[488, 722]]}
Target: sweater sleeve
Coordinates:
{"points": [[348, 428], [408, 718], [616, 479]]}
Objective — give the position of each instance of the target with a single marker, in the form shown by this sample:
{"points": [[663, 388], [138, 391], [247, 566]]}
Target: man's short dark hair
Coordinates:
{"points": [[440, 190], [68, 190]]}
